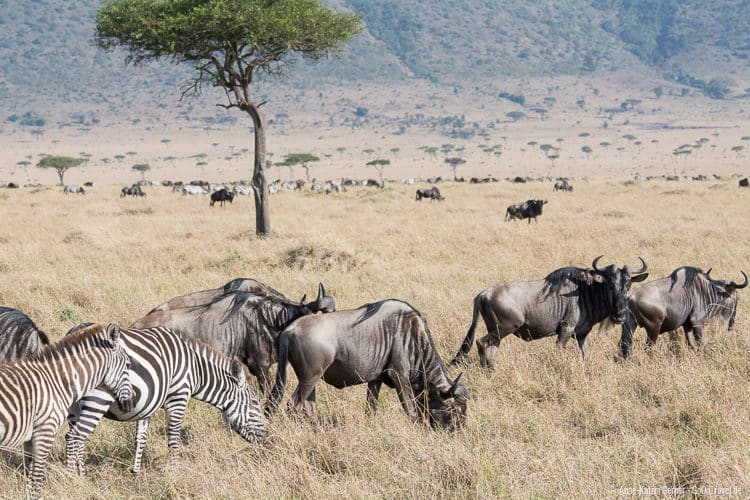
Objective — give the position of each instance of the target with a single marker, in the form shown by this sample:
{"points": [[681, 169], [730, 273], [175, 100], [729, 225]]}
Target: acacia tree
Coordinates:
{"points": [[61, 164], [303, 159], [454, 163], [229, 43], [379, 165], [142, 168]]}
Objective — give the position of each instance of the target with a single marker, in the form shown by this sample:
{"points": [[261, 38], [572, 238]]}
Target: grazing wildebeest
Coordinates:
{"points": [[569, 301], [744, 183], [529, 209], [387, 342], [563, 185], [239, 324], [221, 196], [88, 184], [134, 190], [432, 193], [19, 336], [236, 285], [72, 188], [686, 298]]}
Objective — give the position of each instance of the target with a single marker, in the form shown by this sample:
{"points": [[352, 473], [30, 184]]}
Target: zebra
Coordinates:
{"points": [[37, 391], [167, 370]]}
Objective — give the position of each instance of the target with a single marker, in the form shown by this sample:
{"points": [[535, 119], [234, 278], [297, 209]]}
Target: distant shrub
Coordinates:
{"points": [[517, 98]]}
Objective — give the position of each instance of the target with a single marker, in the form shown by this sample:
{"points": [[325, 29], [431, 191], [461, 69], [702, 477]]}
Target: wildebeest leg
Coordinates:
{"points": [[565, 331], [406, 395], [373, 393], [652, 335], [698, 336], [583, 344], [309, 404], [303, 391], [487, 348]]}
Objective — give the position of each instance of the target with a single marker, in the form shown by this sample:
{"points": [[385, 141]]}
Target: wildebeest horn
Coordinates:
{"points": [[302, 300], [321, 291], [744, 283], [709, 271], [643, 268], [596, 261]]}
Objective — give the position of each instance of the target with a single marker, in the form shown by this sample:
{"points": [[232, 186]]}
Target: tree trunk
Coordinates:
{"points": [[259, 183], [60, 174]]}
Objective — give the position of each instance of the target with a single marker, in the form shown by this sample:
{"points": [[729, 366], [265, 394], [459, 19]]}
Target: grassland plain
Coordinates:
{"points": [[543, 424]]}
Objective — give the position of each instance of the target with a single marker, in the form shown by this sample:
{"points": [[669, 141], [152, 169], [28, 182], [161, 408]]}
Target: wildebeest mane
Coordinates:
{"points": [[555, 280], [690, 274], [370, 311], [273, 311]]}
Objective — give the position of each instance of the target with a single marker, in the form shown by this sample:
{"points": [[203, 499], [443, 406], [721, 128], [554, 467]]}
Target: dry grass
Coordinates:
{"points": [[543, 424]]}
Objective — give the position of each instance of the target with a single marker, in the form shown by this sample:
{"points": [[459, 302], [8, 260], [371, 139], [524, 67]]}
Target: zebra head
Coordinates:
{"points": [[117, 377], [244, 414]]}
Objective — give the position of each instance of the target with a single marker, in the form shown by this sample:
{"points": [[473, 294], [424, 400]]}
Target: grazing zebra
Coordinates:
{"points": [[36, 392], [19, 336], [167, 371]]}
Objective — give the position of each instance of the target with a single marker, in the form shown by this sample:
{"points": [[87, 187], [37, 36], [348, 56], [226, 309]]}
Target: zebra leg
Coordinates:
{"points": [[28, 453], [83, 418], [175, 408], [141, 434], [41, 443]]}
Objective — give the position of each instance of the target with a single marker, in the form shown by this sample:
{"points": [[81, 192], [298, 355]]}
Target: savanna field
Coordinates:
{"points": [[542, 424]]}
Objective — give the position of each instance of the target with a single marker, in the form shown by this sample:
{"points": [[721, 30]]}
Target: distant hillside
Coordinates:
{"points": [[47, 58]]}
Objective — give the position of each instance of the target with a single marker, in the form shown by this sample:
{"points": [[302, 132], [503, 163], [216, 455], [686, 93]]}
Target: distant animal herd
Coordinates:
{"points": [[198, 346]]}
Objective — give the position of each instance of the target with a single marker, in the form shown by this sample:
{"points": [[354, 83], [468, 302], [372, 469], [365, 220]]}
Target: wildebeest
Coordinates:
{"points": [[386, 342], [88, 184], [529, 209], [72, 188], [562, 185], [134, 190], [686, 298], [236, 285], [432, 193], [569, 301], [744, 183], [239, 324], [19, 336], [221, 196]]}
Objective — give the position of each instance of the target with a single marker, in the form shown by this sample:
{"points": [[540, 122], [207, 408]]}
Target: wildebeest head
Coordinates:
{"points": [[446, 410], [618, 281], [323, 303], [726, 294], [244, 414]]}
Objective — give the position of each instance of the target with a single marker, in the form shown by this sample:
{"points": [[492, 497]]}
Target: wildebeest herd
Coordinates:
{"points": [[198, 345]]}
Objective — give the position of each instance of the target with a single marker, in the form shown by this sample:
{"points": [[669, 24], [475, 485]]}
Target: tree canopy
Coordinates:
{"points": [[61, 164], [229, 43]]}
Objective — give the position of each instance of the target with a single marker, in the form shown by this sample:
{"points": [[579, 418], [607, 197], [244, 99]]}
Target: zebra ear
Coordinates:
{"points": [[113, 332], [238, 373]]}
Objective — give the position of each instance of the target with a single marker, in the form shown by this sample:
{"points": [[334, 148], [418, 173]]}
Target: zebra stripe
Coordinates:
{"points": [[36, 392], [167, 370]]}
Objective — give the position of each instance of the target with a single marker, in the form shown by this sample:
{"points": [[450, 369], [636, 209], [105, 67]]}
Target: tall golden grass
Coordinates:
{"points": [[542, 424]]}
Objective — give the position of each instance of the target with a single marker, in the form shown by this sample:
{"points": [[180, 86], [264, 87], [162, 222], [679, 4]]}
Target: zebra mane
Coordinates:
{"points": [[555, 280], [691, 273], [90, 335]]}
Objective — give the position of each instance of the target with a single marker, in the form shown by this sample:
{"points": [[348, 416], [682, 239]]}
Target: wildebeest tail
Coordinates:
{"points": [[277, 393], [469, 340]]}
